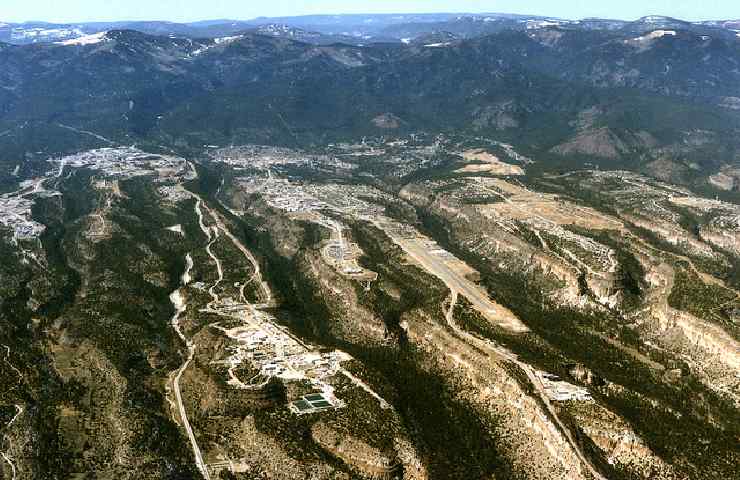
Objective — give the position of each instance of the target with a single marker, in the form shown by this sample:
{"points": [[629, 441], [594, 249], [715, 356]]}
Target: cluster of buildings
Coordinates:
{"points": [[395, 158], [261, 157], [348, 200], [173, 193], [560, 391], [273, 353], [344, 257], [117, 163], [342, 254], [290, 197], [730, 223], [390, 156], [314, 201], [312, 403], [15, 214], [516, 209], [513, 154], [125, 162], [15, 209], [660, 207]]}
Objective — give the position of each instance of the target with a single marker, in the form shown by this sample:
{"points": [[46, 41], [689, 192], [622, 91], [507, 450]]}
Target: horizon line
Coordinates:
{"points": [[252, 19]]}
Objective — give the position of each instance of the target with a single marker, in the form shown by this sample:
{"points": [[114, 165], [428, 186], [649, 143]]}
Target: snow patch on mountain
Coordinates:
{"points": [[216, 41], [86, 39], [44, 34], [653, 35], [654, 19], [280, 30], [223, 40], [534, 24], [661, 33]]}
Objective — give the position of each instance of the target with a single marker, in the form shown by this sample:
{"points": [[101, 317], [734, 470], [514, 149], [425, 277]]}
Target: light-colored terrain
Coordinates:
{"points": [[481, 161], [453, 272], [522, 204]]}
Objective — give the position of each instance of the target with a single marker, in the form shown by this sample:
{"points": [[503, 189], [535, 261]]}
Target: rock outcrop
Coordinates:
{"points": [[532, 442], [354, 452], [621, 446]]}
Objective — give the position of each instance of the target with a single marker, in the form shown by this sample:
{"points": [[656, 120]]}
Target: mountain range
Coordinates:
{"points": [[380, 247], [360, 28], [659, 95]]}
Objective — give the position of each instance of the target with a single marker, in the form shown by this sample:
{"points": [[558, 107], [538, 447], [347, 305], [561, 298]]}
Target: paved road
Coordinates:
{"points": [[458, 285], [455, 281]]}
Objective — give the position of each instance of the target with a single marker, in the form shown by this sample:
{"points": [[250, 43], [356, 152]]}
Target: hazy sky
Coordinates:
{"points": [[185, 10]]}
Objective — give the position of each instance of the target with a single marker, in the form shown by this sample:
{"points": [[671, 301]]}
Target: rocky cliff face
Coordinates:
{"points": [[620, 444], [356, 453], [723, 237], [261, 456], [603, 286], [413, 467], [675, 235], [535, 446], [714, 352], [357, 323]]}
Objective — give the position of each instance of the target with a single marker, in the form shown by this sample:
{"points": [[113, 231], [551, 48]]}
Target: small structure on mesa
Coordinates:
{"points": [[314, 403]]}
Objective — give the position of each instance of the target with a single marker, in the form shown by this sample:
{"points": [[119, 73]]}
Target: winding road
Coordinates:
{"points": [[180, 306], [213, 226], [501, 352], [177, 298], [19, 411]]}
